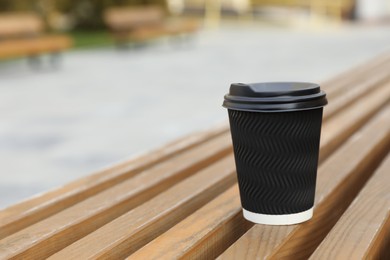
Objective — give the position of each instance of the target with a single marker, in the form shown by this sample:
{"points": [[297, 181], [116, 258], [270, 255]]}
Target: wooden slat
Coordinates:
{"points": [[117, 238], [358, 90], [213, 226], [26, 213], [363, 232], [352, 118], [34, 46], [134, 229], [381, 245], [35, 209], [335, 86], [54, 233], [339, 180]]}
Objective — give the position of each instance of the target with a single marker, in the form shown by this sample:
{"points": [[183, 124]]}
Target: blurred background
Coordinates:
{"points": [[86, 84]]}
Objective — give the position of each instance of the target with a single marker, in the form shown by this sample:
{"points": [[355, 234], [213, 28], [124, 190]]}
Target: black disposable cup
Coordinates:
{"points": [[276, 130]]}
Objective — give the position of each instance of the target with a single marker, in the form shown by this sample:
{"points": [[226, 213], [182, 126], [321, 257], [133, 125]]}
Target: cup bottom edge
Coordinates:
{"points": [[286, 219]]}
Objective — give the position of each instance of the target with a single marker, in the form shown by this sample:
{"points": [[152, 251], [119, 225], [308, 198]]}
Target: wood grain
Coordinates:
{"points": [[28, 212], [132, 230], [338, 85], [380, 247], [343, 124], [362, 231], [217, 222], [56, 232], [358, 90], [344, 78], [339, 179]]}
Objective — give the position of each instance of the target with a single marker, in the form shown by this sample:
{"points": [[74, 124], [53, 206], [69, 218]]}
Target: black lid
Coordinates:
{"points": [[274, 96]]}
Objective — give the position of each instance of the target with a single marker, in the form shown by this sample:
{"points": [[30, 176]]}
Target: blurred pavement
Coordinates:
{"points": [[106, 105]]}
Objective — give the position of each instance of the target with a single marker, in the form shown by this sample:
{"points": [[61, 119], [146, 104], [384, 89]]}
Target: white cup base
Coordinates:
{"points": [[286, 219]]}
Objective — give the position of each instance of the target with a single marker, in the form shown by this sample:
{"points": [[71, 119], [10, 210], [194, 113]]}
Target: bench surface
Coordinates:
{"points": [[181, 200]]}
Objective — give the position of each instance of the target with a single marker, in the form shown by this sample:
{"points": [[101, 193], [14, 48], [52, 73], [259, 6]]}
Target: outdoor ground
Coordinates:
{"points": [[105, 105]]}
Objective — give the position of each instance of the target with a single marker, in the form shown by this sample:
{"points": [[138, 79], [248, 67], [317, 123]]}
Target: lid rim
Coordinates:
{"points": [[281, 99], [277, 111], [275, 97]]}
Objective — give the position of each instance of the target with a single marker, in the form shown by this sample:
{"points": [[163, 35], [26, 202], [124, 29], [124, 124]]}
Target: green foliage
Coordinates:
{"points": [[91, 38]]}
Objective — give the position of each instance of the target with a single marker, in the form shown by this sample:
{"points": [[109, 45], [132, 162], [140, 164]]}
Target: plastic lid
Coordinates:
{"points": [[274, 96]]}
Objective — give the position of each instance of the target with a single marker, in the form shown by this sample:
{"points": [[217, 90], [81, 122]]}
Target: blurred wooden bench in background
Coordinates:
{"points": [[139, 24], [182, 201], [22, 35], [336, 8]]}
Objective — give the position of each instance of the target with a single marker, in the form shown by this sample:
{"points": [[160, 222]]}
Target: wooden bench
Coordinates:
{"points": [[138, 24], [335, 8], [21, 34], [181, 200]]}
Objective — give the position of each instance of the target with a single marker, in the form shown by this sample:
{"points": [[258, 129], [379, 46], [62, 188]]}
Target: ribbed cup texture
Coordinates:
{"points": [[276, 159]]}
